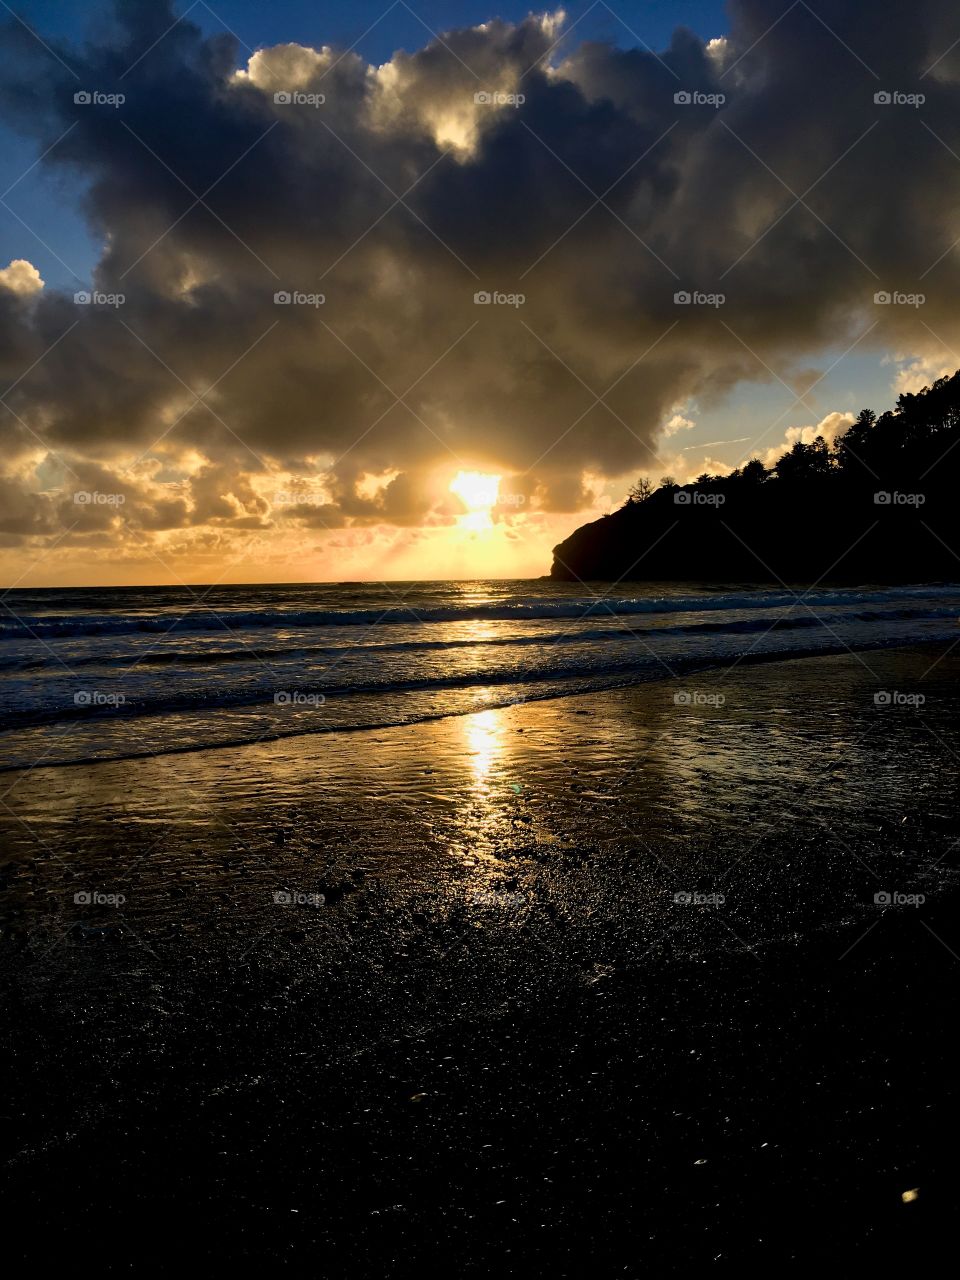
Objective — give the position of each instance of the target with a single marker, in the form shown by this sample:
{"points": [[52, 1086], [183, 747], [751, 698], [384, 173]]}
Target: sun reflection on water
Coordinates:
{"points": [[484, 740], [484, 816]]}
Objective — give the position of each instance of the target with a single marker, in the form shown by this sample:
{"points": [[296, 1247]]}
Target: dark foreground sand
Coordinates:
{"points": [[499, 1044]]}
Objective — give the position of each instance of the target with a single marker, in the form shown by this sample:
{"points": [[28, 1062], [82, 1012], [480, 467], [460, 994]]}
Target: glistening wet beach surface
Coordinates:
{"points": [[595, 981]]}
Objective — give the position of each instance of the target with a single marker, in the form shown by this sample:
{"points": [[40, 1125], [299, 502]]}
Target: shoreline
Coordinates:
{"points": [[684, 668]]}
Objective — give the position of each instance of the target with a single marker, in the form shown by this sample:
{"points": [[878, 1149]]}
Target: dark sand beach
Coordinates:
{"points": [[597, 982]]}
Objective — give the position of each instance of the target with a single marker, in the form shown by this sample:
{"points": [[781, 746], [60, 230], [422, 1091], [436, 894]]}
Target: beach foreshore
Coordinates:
{"points": [[649, 979]]}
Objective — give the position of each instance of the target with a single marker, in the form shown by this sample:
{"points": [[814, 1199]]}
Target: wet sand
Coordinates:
{"points": [[595, 982]]}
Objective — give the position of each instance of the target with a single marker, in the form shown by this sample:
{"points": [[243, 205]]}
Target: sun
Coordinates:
{"points": [[478, 493]]}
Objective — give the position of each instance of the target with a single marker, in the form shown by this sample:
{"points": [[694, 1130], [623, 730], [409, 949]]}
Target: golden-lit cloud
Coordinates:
{"points": [[21, 277], [829, 427]]}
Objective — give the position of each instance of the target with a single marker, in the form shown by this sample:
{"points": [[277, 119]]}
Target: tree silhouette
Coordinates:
{"points": [[880, 505], [640, 490], [804, 462]]}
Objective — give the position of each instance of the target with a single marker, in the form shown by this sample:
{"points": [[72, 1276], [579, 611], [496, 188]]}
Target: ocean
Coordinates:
{"points": [[113, 673]]}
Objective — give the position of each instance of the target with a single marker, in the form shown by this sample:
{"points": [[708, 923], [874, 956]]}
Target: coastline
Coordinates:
{"points": [[39, 735], [499, 940]]}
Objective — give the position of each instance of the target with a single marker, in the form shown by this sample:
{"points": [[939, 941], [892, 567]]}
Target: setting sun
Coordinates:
{"points": [[478, 493]]}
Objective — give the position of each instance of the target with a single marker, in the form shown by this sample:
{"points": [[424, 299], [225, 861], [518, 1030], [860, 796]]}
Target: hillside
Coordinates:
{"points": [[879, 505]]}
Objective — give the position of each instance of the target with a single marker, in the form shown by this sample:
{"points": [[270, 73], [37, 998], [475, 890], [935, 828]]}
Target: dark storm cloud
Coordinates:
{"points": [[210, 197]]}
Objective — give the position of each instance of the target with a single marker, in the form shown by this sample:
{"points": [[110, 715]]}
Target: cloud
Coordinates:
{"points": [[917, 372], [21, 277], [830, 427], [677, 423], [419, 183]]}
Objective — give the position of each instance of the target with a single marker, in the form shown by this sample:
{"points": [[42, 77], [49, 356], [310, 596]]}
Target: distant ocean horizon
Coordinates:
{"points": [[90, 673]]}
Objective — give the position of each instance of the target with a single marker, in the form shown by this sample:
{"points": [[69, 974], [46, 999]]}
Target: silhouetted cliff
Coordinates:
{"points": [[880, 505]]}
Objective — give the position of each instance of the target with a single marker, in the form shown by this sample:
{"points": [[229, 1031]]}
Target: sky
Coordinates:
{"points": [[586, 170], [373, 28]]}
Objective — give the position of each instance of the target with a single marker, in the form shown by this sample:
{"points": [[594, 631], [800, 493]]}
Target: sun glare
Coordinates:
{"points": [[478, 493]]}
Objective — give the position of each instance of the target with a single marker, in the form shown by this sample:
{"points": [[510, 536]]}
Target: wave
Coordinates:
{"points": [[222, 699], [256, 653], [47, 626], [375, 716], [593, 665]]}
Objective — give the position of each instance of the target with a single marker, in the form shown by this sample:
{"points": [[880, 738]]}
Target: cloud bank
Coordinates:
{"points": [[781, 178]]}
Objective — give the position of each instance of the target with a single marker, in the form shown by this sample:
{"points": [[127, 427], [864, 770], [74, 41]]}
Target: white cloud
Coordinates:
{"points": [[285, 67], [917, 372], [713, 467], [833, 425], [717, 50], [21, 277], [677, 423]]}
